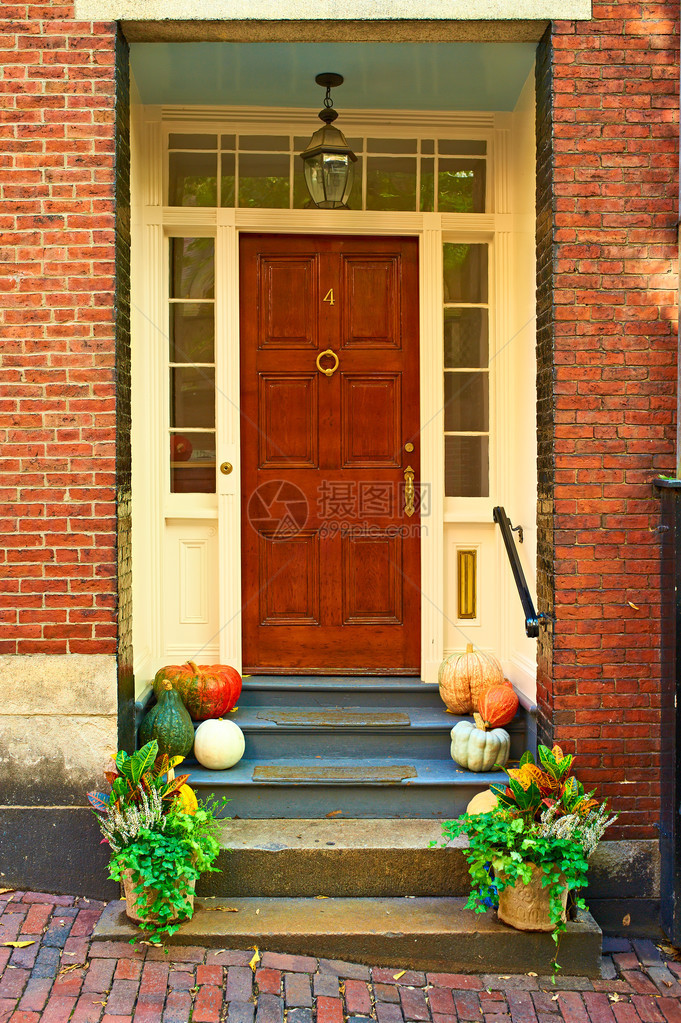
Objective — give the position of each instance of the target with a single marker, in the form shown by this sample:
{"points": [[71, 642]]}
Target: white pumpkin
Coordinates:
{"points": [[477, 750], [219, 744]]}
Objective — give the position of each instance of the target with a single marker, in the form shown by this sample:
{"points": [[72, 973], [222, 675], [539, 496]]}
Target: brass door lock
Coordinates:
{"points": [[226, 468]]}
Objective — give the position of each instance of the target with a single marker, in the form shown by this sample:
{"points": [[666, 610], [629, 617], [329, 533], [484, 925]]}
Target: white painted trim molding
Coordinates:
{"points": [[194, 518], [331, 10]]}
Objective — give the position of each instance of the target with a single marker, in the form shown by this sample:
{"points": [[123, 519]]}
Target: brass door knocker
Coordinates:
{"points": [[330, 370]]}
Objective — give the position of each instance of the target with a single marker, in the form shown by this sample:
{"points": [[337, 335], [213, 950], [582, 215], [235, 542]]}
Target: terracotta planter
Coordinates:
{"points": [[136, 903], [526, 906]]}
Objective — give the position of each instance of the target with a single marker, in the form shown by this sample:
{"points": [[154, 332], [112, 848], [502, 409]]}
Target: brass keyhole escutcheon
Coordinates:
{"points": [[226, 468], [409, 446], [329, 370]]}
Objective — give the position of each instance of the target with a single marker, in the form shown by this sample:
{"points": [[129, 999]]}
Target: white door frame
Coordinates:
{"points": [[153, 223]]}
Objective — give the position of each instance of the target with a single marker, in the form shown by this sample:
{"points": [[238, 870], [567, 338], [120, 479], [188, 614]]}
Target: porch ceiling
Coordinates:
{"points": [[391, 76]]}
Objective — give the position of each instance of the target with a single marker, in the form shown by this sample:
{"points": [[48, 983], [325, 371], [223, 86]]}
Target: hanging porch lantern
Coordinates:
{"points": [[329, 161]]}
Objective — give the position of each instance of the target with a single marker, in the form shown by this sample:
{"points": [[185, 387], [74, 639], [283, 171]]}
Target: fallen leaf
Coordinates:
{"points": [[554, 998], [72, 966], [626, 920], [635, 606], [3, 891], [505, 978], [99, 1003], [614, 997], [256, 958], [321, 896], [398, 975], [18, 944], [671, 951], [334, 813], [257, 911], [667, 983], [530, 974], [221, 909]]}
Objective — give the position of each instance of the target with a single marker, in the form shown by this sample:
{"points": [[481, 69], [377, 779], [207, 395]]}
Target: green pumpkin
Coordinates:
{"points": [[169, 723]]}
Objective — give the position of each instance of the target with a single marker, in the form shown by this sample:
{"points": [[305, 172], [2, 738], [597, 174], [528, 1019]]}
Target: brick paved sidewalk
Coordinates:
{"points": [[63, 976]]}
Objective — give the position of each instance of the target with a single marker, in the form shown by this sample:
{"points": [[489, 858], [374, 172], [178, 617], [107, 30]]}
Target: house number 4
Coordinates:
{"points": [[328, 297]]}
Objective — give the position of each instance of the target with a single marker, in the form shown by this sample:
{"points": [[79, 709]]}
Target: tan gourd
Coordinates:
{"points": [[463, 677]]}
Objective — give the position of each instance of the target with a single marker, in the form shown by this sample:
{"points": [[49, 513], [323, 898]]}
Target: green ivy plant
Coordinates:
{"points": [[543, 818], [501, 852], [166, 864], [151, 834]]}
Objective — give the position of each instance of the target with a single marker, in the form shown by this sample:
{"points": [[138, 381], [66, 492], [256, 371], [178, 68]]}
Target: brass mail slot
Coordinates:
{"points": [[467, 566]]}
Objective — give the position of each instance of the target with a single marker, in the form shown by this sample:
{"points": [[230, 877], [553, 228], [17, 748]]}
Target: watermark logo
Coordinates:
{"points": [[278, 508]]}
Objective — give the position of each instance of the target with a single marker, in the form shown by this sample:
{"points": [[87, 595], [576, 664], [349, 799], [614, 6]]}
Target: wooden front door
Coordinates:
{"points": [[330, 423]]}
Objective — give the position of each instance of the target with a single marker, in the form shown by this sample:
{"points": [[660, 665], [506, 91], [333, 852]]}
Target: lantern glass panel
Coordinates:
{"points": [[329, 178]]}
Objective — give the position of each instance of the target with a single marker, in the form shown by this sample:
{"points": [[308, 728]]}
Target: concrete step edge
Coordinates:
{"points": [[417, 933]]}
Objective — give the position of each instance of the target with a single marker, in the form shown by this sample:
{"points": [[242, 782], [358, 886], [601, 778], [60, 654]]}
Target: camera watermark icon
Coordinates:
{"points": [[278, 508]]}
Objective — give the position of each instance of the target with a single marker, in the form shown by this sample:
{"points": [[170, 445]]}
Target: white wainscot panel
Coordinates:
{"points": [[190, 615], [484, 630]]}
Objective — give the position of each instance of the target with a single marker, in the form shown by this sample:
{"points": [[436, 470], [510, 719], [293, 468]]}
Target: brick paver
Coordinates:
{"points": [[64, 977]]}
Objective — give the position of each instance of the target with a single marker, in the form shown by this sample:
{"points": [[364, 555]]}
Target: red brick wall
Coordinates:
{"points": [[57, 387], [615, 184], [610, 329]]}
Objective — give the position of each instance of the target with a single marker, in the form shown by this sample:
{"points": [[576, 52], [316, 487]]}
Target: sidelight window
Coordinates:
{"points": [[191, 365], [466, 370]]}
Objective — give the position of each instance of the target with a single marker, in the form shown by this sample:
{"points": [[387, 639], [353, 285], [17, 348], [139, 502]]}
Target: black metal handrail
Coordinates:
{"points": [[532, 619]]}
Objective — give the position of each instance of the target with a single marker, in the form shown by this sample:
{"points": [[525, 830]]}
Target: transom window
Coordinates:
{"points": [[265, 171]]}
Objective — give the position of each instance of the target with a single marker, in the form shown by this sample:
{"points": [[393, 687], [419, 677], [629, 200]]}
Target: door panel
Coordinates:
{"points": [[289, 579], [372, 580], [287, 302], [331, 563], [288, 421], [371, 302], [371, 420]]}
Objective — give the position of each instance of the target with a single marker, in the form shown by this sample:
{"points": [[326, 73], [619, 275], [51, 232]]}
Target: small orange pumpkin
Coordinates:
{"points": [[498, 705], [463, 677]]}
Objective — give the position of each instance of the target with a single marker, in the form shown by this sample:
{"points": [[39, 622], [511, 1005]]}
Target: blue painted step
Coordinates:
{"points": [[330, 731], [353, 787], [348, 747], [332, 691]]}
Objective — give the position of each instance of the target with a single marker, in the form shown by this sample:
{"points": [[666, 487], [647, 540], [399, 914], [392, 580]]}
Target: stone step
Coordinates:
{"points": [[371, 858], [416, 933], [362, 787], [306, 858], [369, 731]]}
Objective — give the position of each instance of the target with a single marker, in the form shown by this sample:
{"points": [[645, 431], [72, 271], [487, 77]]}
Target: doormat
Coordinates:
{"points": [[319, 773], [334, 717]]}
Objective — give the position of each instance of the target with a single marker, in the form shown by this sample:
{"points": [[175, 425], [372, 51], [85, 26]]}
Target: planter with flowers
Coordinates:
{"points": [[161, 838], [529, 854]]}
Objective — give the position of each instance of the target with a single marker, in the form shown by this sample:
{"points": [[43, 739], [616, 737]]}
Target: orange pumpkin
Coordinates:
{"points": [[498, 705], [463, 677], [207, 691]]}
